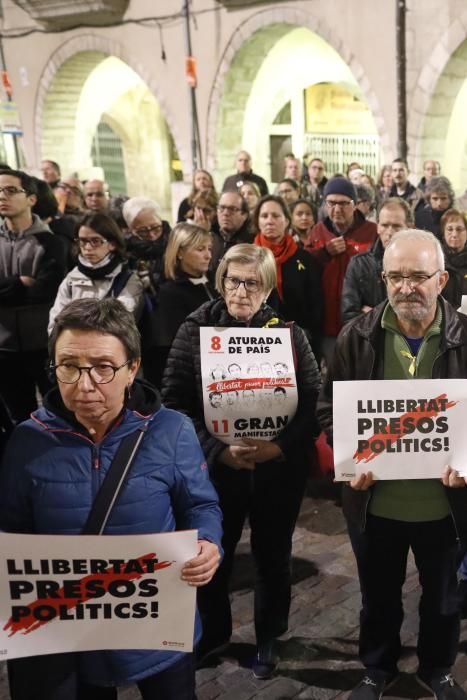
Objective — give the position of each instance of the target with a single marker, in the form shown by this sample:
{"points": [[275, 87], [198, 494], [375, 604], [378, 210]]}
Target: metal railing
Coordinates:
{"points": [[338, 150]]}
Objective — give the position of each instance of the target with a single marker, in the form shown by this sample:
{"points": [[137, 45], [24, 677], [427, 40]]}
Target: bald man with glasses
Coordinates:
{"points": [[414, 334]]}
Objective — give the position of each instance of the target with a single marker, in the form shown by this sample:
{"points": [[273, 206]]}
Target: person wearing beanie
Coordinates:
{"points": [[334, 241]]}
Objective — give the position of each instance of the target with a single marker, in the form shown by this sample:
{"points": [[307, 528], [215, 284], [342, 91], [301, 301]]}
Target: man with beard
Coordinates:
{"points": [[414, 334]]}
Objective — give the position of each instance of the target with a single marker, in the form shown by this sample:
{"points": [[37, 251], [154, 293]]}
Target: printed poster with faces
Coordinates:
{"points": [[249, 383]]}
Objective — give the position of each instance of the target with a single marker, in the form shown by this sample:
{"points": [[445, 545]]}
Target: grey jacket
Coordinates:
{"points": [[24, 311]]}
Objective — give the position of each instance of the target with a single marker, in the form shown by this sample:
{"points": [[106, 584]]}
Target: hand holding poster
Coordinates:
{"points": [[124, 592], [249, 384], [407, 429]]}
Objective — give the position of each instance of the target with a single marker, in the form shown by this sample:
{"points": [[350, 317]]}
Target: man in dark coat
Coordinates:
{"points": [[363, 285], [402, 187], [431, 168], [233, 225], [415, 334], [244, 174]]}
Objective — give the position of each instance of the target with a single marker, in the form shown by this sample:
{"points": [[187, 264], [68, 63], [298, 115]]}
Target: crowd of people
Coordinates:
{"points": [[102, 306]]}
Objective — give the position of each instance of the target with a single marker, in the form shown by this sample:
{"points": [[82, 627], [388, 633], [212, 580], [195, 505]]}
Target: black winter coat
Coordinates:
{"points": [[220, 244], [456, 264], [182, 384], [232, 183], [359, 355], [302, 296], [177, 299], [363, 284], [429, 219]]}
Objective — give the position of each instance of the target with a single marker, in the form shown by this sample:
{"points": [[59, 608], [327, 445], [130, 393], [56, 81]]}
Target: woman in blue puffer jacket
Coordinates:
{"points": [[54, 465]]}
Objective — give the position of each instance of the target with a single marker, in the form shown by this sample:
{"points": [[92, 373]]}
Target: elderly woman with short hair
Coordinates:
{"points": [[49, 479], [147, 239], [264, 480]]}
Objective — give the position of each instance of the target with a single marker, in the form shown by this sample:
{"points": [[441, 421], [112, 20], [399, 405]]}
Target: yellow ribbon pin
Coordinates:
{"points": [[413, 361]]}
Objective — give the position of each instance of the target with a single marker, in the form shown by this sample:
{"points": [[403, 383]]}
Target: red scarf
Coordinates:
{"points": [[281, 251]]}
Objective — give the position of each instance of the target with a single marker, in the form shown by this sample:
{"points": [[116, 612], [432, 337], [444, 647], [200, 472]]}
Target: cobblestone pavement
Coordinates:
{"points": [[318, 654]]}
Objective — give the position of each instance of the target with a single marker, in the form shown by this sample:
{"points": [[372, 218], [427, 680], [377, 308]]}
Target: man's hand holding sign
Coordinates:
{"points": [[449, 478], [395, 400]]}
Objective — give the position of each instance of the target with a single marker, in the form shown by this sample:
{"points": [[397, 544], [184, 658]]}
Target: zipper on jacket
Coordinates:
{"points": [[96, 462]]}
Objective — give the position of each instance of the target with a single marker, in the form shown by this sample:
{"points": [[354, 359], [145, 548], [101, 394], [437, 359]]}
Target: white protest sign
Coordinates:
{"points": [[404, 429], [83, 592], [249, 384]]}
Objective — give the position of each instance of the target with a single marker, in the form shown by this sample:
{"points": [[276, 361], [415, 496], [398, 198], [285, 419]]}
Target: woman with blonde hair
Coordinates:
{"points": [[186, 287], [250, 192]]}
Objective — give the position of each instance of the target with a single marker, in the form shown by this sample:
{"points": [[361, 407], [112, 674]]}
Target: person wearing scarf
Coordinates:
{"points": [[298, 294], [101, 270]]}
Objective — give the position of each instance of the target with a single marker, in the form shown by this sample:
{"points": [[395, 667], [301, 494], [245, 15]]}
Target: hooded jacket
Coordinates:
{"points": [[359, 355], [182, 385], [52, 471], [24, 311]]}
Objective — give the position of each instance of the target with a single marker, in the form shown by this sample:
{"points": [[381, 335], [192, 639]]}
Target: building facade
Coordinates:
{"points": [[102, 84]]}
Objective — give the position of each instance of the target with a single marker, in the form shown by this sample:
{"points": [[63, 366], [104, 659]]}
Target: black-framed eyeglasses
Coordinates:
{"points": [[10, 190], [414, 280], [144, 231], [232, 283], [93, 242], [69, 188], [102, 373], [226, 209], [332, 204]]}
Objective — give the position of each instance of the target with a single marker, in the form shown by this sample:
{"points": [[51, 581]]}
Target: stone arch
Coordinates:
{"points": [[256, 36], [438, 104], [73, 62]]}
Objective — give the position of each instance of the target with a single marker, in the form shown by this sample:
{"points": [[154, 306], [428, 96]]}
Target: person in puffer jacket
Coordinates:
{"points": [[264, 480], [52, 470], [102, 270]]}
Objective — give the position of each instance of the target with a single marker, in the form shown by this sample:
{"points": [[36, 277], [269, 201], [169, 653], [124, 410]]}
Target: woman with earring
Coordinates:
{"points": [[101, 270]]}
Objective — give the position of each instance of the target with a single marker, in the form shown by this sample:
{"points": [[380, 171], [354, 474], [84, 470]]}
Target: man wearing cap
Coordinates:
{"points": [[334, 241]]}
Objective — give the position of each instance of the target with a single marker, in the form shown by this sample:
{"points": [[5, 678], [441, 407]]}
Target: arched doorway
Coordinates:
{"points": [[93, 94], [267, 96], [444, 136]]}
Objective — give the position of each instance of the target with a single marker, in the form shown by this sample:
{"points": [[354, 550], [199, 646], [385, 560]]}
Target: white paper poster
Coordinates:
{"points": [[404, 429], [77, 593], [249, 384]]}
